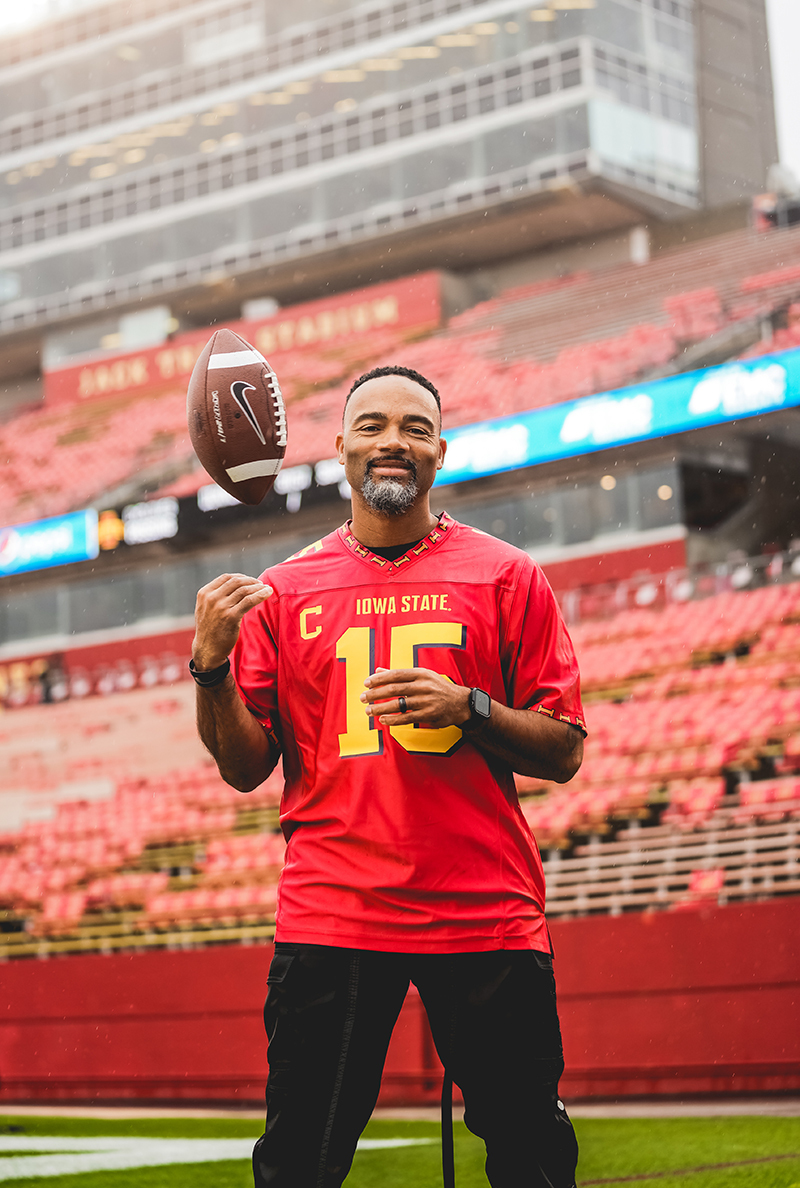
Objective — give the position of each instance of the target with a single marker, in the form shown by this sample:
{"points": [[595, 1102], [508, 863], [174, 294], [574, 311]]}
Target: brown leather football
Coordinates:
{"points": [[237, 419]]}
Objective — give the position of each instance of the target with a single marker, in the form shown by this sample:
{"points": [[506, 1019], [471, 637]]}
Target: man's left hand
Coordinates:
{"points": [[430, 698]]}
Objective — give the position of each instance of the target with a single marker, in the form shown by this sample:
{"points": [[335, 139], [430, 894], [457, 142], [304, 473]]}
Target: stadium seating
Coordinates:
{"points": [[693, 705], [692, 768], [520, 350]]}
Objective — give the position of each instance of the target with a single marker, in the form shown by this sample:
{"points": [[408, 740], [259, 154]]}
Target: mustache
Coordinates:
{"points": [[405, 462]]}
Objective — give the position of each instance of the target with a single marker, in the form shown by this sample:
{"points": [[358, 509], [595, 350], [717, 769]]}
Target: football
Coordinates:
{"points": [[236, 415]]}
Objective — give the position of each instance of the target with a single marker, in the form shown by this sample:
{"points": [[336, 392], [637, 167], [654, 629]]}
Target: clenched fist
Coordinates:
{"points": [[220, 608]]}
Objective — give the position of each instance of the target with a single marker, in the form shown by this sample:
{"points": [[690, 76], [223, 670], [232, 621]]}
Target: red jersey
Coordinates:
{"points": [[404, 839]]}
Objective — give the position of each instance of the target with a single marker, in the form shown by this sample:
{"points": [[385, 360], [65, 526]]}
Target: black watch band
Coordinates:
{"points": [[214, 676], [480, 708]]}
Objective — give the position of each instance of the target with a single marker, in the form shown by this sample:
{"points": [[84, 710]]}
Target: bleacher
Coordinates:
{"points": [[526, 348], [689, 792], [156, 842], [117, 830]]}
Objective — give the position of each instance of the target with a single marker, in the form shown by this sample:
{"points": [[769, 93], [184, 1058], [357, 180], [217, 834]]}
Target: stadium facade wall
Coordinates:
{"points": [[615, 566], [685, 1002]]}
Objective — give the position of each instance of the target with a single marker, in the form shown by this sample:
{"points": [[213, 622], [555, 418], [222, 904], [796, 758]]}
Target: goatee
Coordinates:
{"points": [[390, 496]]}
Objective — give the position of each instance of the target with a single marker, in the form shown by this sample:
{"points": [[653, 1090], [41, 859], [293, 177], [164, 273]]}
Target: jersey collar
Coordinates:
{"points": [[425, 546]]}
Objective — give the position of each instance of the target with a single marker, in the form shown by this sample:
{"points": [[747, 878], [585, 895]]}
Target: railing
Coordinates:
{"points": [[655, 591]]}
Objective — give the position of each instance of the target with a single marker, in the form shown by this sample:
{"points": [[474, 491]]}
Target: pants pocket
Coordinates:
{"points": [[279, 967]]}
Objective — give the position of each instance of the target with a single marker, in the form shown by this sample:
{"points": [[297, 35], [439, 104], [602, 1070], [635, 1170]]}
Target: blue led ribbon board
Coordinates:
{"points": [[696, 399], [45, 543]]}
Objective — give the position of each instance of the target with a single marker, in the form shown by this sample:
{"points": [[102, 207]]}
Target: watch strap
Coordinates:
{"points": [[214, 676]]}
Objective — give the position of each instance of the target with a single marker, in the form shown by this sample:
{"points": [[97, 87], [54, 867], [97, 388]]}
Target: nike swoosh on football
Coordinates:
{"points": [[238, 389]]}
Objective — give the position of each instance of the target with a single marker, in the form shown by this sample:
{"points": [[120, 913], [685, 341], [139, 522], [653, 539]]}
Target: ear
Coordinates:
{"points": [[442, 452], [340, 447]]}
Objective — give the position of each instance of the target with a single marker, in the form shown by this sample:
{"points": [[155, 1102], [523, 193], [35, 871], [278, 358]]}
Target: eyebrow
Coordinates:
{"points": [[379, 416]]}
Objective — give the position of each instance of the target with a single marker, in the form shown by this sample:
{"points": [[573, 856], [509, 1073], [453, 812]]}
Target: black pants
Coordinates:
{"points": [[329, 1015]]}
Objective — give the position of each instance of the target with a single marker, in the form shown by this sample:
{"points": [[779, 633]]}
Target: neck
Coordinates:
{"points": [[374, 530]]}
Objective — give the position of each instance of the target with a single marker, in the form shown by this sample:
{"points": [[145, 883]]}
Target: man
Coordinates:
{"points": [[404, 666]]}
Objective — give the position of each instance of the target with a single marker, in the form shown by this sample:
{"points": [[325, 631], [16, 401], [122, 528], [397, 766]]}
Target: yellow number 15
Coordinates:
{"points": [[357, 649]]}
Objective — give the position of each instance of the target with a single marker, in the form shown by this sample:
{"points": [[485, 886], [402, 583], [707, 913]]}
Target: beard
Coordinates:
{"points": [[390, 496]]}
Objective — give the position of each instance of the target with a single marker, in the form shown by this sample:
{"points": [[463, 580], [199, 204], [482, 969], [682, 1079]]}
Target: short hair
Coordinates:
{"points": [[406, 372]]}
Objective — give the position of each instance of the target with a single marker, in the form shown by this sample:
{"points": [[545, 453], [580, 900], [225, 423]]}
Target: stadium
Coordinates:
{"points": [[566, 214]]}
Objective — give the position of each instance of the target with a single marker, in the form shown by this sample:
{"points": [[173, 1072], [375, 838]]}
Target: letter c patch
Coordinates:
{"points": [[304, 613]]}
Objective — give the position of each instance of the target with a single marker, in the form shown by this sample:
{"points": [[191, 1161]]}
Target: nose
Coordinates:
{"points": [[392, 441]]}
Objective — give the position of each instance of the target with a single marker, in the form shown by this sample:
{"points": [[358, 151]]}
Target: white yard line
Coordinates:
{"points": [[68, 1156]]}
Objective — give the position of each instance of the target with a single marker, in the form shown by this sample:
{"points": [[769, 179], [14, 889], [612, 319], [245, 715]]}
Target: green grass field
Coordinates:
{"points": [[664, 1152]]}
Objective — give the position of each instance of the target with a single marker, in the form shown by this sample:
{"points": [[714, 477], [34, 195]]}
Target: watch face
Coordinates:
{"points": [[481, 703]]}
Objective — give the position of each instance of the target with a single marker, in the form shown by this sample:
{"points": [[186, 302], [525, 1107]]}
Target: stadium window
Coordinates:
{"points": [[611, 504], [577, 512], [654, 511], [711, 495]]}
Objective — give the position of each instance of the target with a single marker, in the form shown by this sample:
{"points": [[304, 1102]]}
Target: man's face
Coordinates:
{"points": [[389, 444]]}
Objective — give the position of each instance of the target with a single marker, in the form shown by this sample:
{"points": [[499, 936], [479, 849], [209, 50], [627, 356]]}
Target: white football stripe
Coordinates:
{"points": [[249, 470], [234, 359]]}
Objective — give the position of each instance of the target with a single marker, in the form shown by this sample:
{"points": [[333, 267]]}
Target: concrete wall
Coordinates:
{"points": [[738, 138]]}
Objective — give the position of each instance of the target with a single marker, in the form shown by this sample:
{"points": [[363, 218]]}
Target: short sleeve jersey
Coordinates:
{"points": [[408, 839]]}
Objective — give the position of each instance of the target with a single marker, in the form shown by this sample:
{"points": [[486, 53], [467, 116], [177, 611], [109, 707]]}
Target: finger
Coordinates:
{"points": [[254, 599], [224, 578], [385, 676], [387, 692], [216, 582], [236, 581], [232, 598], [408, 719], [391, 706]]}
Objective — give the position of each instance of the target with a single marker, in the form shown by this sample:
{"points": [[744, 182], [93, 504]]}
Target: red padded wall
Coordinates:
{"points": [[670, 1002], [698, 1001], [595, 568]]}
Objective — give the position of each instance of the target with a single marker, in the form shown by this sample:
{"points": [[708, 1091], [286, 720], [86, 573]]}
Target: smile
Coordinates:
{"points": [[390, 468]]}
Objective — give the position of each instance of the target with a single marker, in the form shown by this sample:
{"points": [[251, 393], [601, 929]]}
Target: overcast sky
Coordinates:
{"points": [[784, 20]]}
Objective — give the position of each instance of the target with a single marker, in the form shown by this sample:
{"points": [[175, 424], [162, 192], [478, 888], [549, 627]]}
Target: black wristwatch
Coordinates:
{"points": [[480, 708]]}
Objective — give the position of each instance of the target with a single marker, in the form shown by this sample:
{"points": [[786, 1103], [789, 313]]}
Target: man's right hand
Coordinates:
{"points": [[220, 608]]}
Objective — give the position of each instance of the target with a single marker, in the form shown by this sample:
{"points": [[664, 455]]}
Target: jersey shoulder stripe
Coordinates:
{"points": [[308, 551]]}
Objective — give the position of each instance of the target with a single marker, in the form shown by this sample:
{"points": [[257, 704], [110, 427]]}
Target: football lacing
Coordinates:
{"points": [[280, 408]]}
